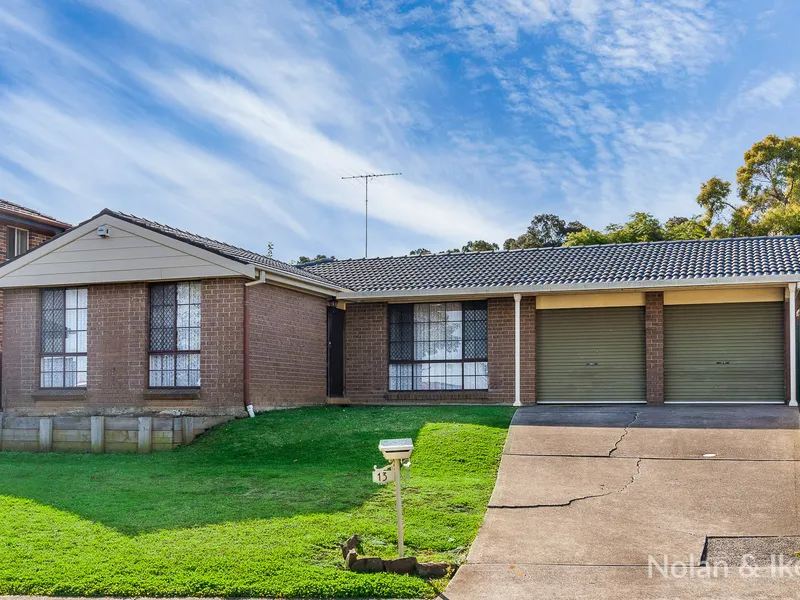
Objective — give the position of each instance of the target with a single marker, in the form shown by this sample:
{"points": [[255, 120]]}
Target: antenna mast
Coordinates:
{"points": [[366, 179]]}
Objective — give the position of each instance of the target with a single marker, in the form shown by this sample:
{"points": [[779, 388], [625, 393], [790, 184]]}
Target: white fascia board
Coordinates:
{"points": [[300, 283], [508, 290], [247, 270]]}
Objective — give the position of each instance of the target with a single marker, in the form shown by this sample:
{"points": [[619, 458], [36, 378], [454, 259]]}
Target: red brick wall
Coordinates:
{"points": [[34, 239], [21, 355], [366, 332], [654, 346], [117, 343], [222, 343], [288, 347], [117, 340], [367, 366]]}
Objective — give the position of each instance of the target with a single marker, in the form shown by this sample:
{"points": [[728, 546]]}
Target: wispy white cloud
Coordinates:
{"points": [[238, 119], [616, 40], [773, 91]]}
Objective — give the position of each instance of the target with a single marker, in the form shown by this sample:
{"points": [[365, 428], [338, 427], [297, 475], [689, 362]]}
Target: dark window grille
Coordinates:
{"points": [[175, 334], [438, 346], [63, 341]]}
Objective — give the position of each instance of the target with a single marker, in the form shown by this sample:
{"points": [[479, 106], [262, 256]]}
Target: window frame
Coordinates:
{"points": [[16, 230], [175, 328], [64, 354], [410, 307]]}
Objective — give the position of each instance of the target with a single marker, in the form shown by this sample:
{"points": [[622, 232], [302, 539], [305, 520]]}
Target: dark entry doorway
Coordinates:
{"points": [[335, 353]]}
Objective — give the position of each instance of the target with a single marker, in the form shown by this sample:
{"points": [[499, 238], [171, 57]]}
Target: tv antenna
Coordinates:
{"points": [[366, 177]]}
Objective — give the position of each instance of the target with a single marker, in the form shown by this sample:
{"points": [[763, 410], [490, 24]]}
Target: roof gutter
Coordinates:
{"points": [[507, 290]]}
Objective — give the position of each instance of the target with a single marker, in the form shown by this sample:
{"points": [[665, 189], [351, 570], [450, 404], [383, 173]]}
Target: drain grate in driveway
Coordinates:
{"points": [[752, 551]]}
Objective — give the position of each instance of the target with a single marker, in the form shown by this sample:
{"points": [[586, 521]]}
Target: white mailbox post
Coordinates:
{"points": [[395, 451]]}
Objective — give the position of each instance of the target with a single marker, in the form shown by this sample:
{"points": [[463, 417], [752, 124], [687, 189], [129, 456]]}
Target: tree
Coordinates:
{"points": [[305, 259], [642, 227], [480, 246], [270, 249], [681, 228], [419, 252], [546, 230], [771, 173], [713, 197], [574, 227], [587, 237]]}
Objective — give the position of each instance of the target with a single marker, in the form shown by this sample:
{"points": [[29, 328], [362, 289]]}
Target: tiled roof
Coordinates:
{"points": [[221, 248], [35, 215], [571, 265]]}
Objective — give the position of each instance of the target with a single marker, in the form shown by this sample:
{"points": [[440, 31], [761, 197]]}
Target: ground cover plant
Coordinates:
{"points": [[256, 507]]}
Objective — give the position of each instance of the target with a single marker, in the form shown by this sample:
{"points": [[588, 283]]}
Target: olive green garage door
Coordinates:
{"points": [[724, 352], [590, 355]]}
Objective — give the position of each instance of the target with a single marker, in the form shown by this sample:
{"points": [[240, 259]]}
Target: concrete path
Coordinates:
{"points": [[589, 499]]}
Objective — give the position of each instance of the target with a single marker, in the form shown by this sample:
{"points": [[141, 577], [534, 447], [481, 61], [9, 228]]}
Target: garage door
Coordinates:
{"points": [[590, 355], [724, 353]]}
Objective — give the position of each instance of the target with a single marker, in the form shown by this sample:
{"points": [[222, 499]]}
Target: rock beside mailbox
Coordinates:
{"points": [[349, 545], [403, 566], [432, 570], [367, 565]]}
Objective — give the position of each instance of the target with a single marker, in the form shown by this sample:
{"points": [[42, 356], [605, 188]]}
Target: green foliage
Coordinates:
{"points": [[545, 230], [419, 252], [587, 237], [305, 259], [479, 246], [713, 198], [256, 507], [682, 228], [771, 173]]}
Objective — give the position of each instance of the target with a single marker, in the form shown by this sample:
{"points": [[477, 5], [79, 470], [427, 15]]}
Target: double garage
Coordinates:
{"points": [[721, 346]]}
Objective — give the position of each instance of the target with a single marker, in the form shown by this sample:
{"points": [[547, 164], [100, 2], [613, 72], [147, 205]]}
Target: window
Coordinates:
{"points": [[17, 242], [439, 346], [175, 334], [63, 338]]}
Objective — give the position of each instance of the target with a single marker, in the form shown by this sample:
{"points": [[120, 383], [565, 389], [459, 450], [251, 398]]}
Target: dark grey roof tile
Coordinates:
{"points": [[614, 263]]}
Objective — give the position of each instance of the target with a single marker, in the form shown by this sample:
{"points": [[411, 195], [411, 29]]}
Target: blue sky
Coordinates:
{"points": [[237, 119]]}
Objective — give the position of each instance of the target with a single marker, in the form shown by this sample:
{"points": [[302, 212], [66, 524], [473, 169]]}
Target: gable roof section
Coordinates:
{"points": [[142, 250], [642, 265], [223, 249], [16, 210]]}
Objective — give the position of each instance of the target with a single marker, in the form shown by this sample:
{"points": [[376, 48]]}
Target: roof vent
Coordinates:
{"points": [[104, 231]]}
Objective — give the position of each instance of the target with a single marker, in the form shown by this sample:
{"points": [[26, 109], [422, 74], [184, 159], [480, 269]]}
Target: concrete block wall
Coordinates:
{"points": [[100, 434]]}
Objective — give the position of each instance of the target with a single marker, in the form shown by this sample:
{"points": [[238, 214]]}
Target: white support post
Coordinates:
{"points": [[517, 301], [792, 344], [398, 501]]}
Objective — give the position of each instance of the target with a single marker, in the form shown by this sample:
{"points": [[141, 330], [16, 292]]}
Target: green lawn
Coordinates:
{"points": [[256, 507]]}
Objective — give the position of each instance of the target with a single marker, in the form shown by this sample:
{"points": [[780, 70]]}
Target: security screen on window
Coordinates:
{"points": [[63, 337], [438, 346], [175, 334]]}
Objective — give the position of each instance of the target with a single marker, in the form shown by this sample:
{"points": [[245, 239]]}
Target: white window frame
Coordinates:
{"points": [[16, 250]]}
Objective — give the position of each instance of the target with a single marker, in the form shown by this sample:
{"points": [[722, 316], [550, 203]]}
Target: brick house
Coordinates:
{"points": [[20, 230], [124, 316]]}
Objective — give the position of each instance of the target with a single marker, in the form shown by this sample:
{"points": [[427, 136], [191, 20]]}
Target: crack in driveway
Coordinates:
{"points": [[579, 498], [624, 433]]}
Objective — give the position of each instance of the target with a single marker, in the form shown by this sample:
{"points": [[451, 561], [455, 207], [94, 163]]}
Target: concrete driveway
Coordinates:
{"points": [[588, 499]]}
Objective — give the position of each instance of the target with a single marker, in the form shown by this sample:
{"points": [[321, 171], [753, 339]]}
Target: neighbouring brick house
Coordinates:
{"points": [[123, 316], [20, 230]]}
